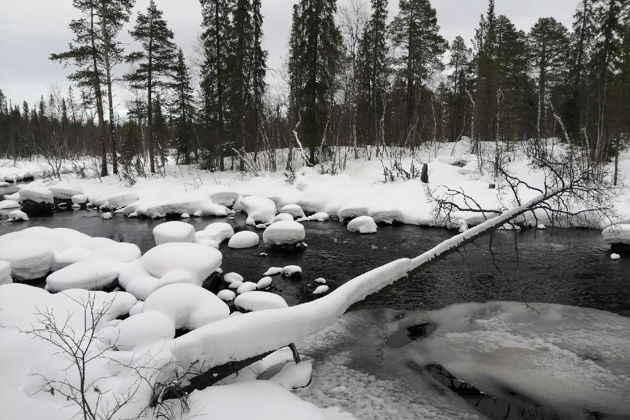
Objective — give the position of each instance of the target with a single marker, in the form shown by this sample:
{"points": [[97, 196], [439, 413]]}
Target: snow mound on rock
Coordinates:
{"points": [[259, 301], [283, 217], [29, 258], [244, 239], [284, 233], [294, 210], [90, 274], [142, 329], [186, 305], [9, 204], [174, 262], [37, 194], [65, 191], [220, 194], [259, 209], [362, 224], [191, 203], [17, 216], [173, 232], [117, 201]]}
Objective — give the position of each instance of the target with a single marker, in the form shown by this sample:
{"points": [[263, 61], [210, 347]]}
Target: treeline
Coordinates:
{"points": [[355, 77]]}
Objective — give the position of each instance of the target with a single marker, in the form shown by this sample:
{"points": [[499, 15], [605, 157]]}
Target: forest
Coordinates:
{"points": [[354, 77]]}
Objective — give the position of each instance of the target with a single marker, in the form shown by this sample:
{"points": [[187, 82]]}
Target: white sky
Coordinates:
{"points": [[32, 29]]}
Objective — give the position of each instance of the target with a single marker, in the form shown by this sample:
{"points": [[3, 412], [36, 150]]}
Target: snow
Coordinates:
{"points": [[617, 234], [541, 226], [142, 329], [221, 194], [291, 270], [9, 204], [30, 259], [107, 216], [63, 191], [318, 217], [294, 376], [90, 273], [219, 231], [79, 199], [284, 233], [36, 193], [264, 283], [294, 210], [186, 305], [273, 271], [116, 200], [320, 280], [173, 232], [321, 290], [283, 217], [226, 295], [174, 262], [259, 301], [235, 285], [232, 278], [615, 257], [245, 287], [160, 206], [259, 209], [17, 216], [244, 239], [362, 224], [5, 273]]}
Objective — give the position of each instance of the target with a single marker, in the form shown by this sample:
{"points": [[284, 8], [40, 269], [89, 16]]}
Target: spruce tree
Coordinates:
{"points": [[154, 62], [183, 109], [459, 66]]}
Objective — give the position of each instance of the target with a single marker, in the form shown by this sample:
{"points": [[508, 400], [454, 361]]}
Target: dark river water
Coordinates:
{"points": [[571, 267]]}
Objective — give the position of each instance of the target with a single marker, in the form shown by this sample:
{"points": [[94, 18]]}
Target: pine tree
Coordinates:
{"points": [[373, 73], [415, 33], [548, 42], [459, 65], [182, 109], [258, 71], [313, 66], [215, 70], [155, 62]]}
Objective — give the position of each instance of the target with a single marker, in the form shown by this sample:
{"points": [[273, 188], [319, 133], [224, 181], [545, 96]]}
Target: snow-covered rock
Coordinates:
{"points": [[294, 210], [143, 329], [244, 239], [353, 209], [283, 217], [90, 273], [226, 295], [294, 376], [230, 278], [192, 203], [259, 209], [320, 280], [65, 191], [79, 199], [30, 259], [235, 285], [17, 216], [264, 283], [273, 271], [318, 217], [219, 231], [174, 262], [541, 226], [9, 204], [321, 290], [5, 273], [187, 305], [221, 194], [246, 287], [284, 233], [617, 234], [291, 270], [107, 216], [259, 301], [36, 194], [615, 257], [117, 200], [173, 232], [362, 224]]}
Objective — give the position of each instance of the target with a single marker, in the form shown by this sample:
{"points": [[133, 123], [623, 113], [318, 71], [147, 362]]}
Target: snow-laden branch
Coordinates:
{"points": [[255, 333]]}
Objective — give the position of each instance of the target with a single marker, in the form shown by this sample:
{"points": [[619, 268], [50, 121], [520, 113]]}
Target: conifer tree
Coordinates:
{"points": [[183, 109], [155, 62]]}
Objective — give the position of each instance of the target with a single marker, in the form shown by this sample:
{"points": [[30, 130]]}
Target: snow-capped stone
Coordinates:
{"points": [[107, 216], [294, 210], [244, 239], [187, 305], [320, 290], [259, 209], [90, 274], [79, 199], [259, 301], [193, 203], [30, 259], [17, 216], [294, 376], [36, 194], [185, 216], [173, 232], [318, 217], [65, 191], [264, 282], [248, 286], [284, 233], [226, 295], [615, 257], [291, 270], [273, 271], [541, 226], [320, 280], [362, 224], [142, 329], [219, 231], [5, 273], [235, 285], [118, 200], [352, 210], [617, 234], [283, 217], [230, 278], [9, 204], [173, 262]]}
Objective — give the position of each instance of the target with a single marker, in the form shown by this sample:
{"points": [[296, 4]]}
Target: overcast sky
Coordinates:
{"points": [[32, 29]]}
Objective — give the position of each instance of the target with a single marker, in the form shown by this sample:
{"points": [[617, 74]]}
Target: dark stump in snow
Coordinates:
{"points": [[424, 177], [620, 248], [34, 209]]}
